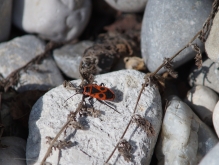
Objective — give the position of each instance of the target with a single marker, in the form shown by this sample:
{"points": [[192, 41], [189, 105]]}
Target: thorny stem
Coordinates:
{"points": [[144, 85], [59, 133]]}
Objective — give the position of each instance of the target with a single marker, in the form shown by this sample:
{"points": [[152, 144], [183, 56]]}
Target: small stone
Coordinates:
{"points": [[216, 118], [208, 75], [212, 42], [128, 5], [202, 100], [212, 158], [94, 145], [56, 20], [168, 25], [184, 138], [68, 57], [14, 154], [135, 63], [5, 19], [17, 53]]}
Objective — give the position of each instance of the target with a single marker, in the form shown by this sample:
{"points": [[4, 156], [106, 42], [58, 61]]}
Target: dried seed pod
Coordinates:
{"points": [[198, 57], [144, 124], [124, 149], [168, 65]]}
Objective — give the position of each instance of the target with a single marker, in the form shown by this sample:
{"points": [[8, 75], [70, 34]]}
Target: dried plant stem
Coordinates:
{"points": [[145, 84], [59, 133]]}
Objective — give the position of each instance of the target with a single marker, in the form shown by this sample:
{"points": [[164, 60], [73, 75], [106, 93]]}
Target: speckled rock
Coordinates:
{"points": [[168, 25], [211, 45], [57, 20], [212, 158], [94, 145], [18, 52], [184, 138], [68, 57], [5, 19], [128, 5], [216, 118], [208, 75], [202, 100], [14, 154]]}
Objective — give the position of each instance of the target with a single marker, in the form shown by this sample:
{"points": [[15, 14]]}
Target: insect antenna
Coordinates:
{"points": [[70, 97], [108, 105]]}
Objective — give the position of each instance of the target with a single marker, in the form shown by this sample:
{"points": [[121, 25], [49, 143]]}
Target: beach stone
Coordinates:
{"points": [[14, 154], [68, 57], [18, 52], [212, 158], [5, 19], [128, 5], [208, 75], [202, 100], [56, 20], [184, 138], [216, 118], [94, 145], [168, 25], [212, 42]]}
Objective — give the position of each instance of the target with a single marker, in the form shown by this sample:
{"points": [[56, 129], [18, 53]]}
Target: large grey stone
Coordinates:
{"points": [[208, 75], [202, 100], [128, 5], [57, 20], [168, 25], [211, 45], [216, 118], [184, 138], [212, 158], [18, 52], [14, 154], [93, 146], [5, 19], [68, 57]]}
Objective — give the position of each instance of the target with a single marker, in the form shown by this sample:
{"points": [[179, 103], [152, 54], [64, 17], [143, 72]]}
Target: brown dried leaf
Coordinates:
{"points": [[198, 57], [58, 143], [124, 149]]}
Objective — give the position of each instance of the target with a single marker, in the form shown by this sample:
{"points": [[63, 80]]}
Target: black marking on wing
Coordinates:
{"points": [[87, 89], [95, 90], [109, 94], [101, 95]]}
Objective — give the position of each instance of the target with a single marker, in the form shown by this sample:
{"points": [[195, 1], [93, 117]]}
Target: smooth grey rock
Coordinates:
{"points": [[212, 158], [168, 25], [14, 154], [57, 20], [18, 52], [50, 112], [184, 138], [68, 57], [216, 118], [212, 42], [5, 19], [128, 5], [208, 75], [202, 100]]}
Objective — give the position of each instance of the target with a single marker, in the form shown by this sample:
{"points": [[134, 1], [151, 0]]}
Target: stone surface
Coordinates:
{"points": [[68, 57], [5, 19], [202, 100], [211, 44], [50, 112], [14, 154], [168, 25], [216, 118], [184, 138], [19, 51], [212, 158], [57, 20], [208, 75], [128, 5]]}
